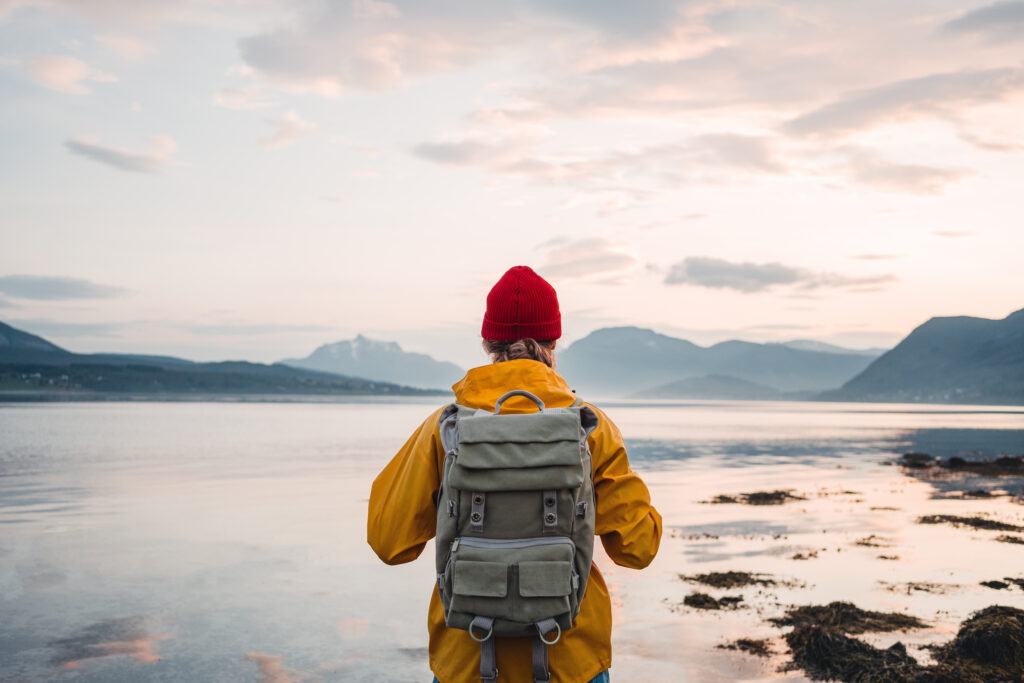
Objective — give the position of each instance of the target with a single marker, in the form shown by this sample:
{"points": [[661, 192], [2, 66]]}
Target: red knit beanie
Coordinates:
{"points": [[522, 305]]}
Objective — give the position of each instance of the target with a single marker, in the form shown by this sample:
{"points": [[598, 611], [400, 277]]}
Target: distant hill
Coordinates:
{"points": [[621, 361], [381, 361], [30, 363], [14, 340], [715, 387], [947, 360], [812, 345]]}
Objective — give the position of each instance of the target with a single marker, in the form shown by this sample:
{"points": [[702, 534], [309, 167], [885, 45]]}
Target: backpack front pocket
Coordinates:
{"points": [[480, 579], [518, 580], [544, 579]]}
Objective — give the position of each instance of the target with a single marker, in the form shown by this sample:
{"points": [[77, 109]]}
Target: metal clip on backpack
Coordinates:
{"points": [[515, 524]]}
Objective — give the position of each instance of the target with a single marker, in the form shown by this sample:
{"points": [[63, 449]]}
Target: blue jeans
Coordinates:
{"points": [[599, 678]]}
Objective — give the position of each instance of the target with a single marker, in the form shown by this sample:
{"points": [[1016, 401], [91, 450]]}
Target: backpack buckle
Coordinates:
{"points": [[581, 508]]}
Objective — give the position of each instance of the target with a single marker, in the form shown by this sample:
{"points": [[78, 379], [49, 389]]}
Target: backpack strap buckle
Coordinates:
{"points": [[539, 649], [488, 657]]}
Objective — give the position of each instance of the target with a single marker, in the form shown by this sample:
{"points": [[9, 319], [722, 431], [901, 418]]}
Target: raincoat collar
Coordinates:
{"points": [[482, 386]]}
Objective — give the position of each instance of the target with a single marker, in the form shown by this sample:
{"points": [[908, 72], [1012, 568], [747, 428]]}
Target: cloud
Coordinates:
{"points": [[288, 128], [125, 46], [372, 9], [65, 74], [744, 277], [584, 258], [48, 288], [695, 160], [244, 98], [869, 169], [464, 153], [933, 95], [747, 277], [877, 257], [161, 148], [999, 21], [367, 45]]}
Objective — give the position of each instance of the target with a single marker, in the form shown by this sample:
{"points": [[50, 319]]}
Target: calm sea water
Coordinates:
{"points": [[226, 541]]}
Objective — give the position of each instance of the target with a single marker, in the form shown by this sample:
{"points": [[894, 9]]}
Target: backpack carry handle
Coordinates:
{"points": [[518, 392]]}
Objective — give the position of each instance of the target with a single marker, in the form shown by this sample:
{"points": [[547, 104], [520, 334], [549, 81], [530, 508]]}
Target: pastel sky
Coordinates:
{"points": [[248, 179]]}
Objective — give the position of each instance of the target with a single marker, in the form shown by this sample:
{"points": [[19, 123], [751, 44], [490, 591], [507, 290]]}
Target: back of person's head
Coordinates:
{"points": [[522, 318]]}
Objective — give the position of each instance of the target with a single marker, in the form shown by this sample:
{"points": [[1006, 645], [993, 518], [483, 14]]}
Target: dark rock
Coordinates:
{"points": [[917, 460]]}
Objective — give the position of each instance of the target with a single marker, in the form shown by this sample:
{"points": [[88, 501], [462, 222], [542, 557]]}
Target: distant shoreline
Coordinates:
{"points": [[135, 397], [427, 397]]}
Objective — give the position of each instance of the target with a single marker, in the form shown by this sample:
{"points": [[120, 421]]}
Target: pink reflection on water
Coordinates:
{"points": [[117, 637], [271, 668]]}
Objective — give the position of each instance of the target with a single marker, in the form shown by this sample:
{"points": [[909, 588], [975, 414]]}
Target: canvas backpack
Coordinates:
{"points": [[515, 524]]}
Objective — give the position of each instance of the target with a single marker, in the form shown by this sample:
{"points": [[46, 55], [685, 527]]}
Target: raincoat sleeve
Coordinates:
{"points": [[629, 526], [402, 515]]}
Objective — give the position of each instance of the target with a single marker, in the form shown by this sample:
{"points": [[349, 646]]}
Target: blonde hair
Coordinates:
{"points": [[532, 349]]}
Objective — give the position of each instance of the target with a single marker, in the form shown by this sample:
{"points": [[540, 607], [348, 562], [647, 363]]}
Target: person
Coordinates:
{"points": [[520, 328]]}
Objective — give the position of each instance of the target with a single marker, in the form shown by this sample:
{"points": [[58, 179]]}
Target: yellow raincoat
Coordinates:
{"points": [[402, 518]]}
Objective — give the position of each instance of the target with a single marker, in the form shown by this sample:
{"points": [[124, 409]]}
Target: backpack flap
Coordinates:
{"points": [[535, 451]]}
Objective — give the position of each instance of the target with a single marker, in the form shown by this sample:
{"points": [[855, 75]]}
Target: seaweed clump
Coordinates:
{"points": [[756, 647], [973, 522], [1005, 583], [1004, 465], [729, 579], [845, 617], [1006, 538], [705, 601], [988, 648], [758, 498], [825, 653]]}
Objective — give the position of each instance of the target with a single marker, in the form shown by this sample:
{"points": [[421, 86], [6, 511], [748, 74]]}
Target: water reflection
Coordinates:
{"points": [[979, 443], [271, 669], [126, 637], [969, 444]]}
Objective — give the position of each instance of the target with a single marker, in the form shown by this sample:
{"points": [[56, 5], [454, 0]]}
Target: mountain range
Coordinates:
{"points": [[948, 359], [958, 359], [31, 363], [625, 361], [381, 360]]}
